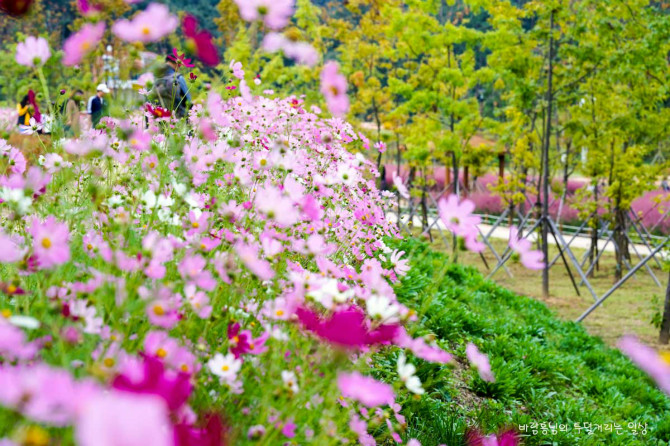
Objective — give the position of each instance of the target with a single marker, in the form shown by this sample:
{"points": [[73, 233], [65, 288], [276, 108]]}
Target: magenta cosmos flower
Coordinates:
{"points": [[365, 390], [82, 42], [274, 13], [33, 52], [507, 438], [150, 25], [50, 242], [648, 360], [200, 41], [173, 388], [334, 89], [346, 328]]}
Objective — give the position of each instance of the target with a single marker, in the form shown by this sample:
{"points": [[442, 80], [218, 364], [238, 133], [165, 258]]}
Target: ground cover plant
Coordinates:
{"points": [[218, 269], [546, 370]]}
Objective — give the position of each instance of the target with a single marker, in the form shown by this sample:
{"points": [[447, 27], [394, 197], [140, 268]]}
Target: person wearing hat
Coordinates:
{"points": [[96, 103]]}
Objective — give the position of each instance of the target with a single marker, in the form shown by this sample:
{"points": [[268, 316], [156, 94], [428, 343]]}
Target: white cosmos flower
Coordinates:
{"points": [[328, 293], [115, 200], [225, 367], [24, 321], [290, 380], [406, 373], [381, 308], [18, 197]]}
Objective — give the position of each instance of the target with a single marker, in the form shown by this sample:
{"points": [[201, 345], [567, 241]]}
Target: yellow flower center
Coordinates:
{"points": [[665, 356], [85, 45], [35, 436], [195, 224], [46, 243], [225, 368], [89, 247], [161, 353], [146, 31], [6, 313], [158, 310], [11, 289], [109, 362], [279, 312], [184, 368]]}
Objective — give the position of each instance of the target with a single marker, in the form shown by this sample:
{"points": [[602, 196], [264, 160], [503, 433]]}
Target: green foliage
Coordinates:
{"points": [[546, 370]]}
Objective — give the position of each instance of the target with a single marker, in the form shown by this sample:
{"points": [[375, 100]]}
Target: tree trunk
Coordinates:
{"points": [[620, 241], [664, 335], [447, 178], [501, 166], [545, 164], [466, 179]]}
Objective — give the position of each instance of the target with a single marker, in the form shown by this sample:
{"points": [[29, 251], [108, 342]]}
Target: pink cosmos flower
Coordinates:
{"points": [[118, 418], [192, 268], [13, 343], [420, 349], [380, 146], [402, 189], [400, 266], [274, 13], [10, 248], [458, 217], [531, 259], [50, 242], [476, 438], [82, 42], [648, 360], [202, 40], [33, 52], [346, 328], [198, 300], [150, 25], [334, 89], [480, 361], [367, 391], [161, 312], [301, 52], [236, 68], [249, 255]]}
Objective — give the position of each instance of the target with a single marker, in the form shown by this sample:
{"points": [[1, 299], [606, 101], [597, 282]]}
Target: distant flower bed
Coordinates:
{"points": [[650, 208]]}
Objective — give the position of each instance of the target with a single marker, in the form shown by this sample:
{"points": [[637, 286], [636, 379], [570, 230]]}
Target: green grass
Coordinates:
{"points": [[547, 370]]}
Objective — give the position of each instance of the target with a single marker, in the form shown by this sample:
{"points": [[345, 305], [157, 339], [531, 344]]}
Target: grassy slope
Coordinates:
{"points": [[547, 370]]}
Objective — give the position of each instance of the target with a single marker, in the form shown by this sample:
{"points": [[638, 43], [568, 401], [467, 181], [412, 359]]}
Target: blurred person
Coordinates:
{"points": [[96, 104], [28, 110], [170, 90], [71, 114]]}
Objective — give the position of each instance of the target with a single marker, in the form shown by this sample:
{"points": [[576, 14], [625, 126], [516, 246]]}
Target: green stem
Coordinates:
{"points": [[45, 88]]}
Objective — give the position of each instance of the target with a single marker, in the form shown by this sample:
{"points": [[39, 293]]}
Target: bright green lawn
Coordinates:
{"points": [[547, 370]]}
